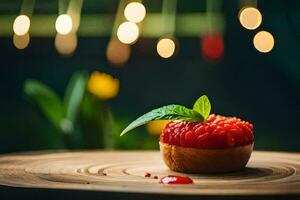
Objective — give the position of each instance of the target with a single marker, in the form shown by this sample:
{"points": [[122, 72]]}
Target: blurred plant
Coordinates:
{"points": [[61, 113], [82, 119], [103, 86]]}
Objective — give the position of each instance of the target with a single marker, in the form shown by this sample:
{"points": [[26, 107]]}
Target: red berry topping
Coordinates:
{"points": [[216, 132]]}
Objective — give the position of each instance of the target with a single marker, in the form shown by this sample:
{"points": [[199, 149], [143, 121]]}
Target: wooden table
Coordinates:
{"points": [[107, 174]]}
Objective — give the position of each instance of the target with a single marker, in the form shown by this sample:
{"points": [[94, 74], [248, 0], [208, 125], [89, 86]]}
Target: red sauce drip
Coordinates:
{"points": [[147, 174], [155, 177], [171, 179]]}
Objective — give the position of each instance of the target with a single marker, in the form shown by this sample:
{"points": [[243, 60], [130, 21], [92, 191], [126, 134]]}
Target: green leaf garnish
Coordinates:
{"points": [[174, 112], [199, 113], [202, 106]]}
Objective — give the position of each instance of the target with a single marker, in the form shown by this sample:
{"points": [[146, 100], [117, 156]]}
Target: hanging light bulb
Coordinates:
{"points": [[165, 47], [135, 12], [250, 18], [66, 44], [128, 32], [212, 46], [263, 41], [117, 53], [21, 41], [64, 24], [21, 25]]}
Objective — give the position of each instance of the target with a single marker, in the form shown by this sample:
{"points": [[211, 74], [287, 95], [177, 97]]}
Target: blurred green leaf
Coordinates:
{"points": [[46, 99], [74, 94]]}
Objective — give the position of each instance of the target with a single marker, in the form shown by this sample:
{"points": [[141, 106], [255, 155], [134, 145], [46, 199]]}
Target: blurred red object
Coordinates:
{"points": [[212, 46]]}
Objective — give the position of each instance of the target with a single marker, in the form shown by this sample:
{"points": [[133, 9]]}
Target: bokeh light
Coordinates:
{"points": [[212, 46], [21, 25], [117, 53], [128, 32], [21, 41], [263, 41], [64, 24], [66, 44], [135, 12], [103, 85], [165, 47], [250, 18], [155, 127]]}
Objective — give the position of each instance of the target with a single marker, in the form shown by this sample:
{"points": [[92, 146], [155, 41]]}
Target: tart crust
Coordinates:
{"points": [[192, 160]]}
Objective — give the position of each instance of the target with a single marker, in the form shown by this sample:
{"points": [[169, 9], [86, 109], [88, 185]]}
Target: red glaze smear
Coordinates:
{"points": [[172, 179]]}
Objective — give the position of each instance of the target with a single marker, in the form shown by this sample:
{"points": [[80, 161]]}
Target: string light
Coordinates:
{"points": [[21, 25], [263, 41], [64, 24], [135, 12], [21, 41], [165, 47], [250, 18], [66, 44], [212, 46], [117, 53], [128, 32]]}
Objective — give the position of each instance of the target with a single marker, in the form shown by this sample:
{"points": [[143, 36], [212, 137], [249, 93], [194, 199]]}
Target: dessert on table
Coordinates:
{"points": [[195, 141]]}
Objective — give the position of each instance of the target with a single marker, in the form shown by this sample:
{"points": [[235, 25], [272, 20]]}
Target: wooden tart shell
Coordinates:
{"points": [[193, 160]]}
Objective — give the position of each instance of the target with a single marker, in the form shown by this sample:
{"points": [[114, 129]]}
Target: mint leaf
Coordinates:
{"points": [[202, 106], [174, 112]]}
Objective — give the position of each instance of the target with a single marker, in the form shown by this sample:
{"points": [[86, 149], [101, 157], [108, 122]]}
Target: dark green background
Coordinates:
{"points": [[261, 88]]}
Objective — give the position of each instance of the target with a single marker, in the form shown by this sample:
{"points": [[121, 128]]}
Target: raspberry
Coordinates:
{"points": [[216, 132]]}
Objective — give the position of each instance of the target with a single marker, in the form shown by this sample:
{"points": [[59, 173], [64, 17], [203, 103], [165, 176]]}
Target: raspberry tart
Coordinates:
{"points": [[196, 141]]}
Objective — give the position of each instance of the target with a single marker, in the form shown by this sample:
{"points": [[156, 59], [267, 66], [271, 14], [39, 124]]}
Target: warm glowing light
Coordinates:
{"points": [[103, 85], [250, 18], [128, 32], [21, 25], [165, 47], [117, 53], [135, 12], [66, 44], [64, 24], [212, 46], [155, 127], [263, 41], [21, 41]]}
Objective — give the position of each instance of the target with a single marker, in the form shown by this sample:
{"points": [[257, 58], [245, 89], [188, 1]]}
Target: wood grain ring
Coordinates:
{"points": [[267, 173]]}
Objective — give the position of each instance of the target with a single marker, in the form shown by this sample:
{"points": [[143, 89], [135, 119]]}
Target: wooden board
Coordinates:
{"points": [[267, 173]]}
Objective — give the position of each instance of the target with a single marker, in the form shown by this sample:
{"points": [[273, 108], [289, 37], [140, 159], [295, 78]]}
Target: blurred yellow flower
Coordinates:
{"points": [[103, 85], [155, 127]]}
